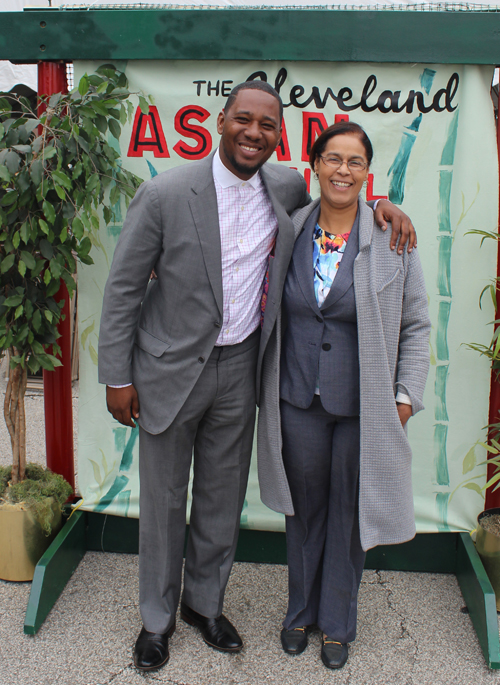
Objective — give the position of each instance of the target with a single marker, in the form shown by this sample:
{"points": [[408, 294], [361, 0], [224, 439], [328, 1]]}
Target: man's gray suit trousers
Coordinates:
{"points": [[216, 424]]}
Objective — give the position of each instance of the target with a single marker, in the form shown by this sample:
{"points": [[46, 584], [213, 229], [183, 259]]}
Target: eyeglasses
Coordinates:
{"points": [[352, 164]]}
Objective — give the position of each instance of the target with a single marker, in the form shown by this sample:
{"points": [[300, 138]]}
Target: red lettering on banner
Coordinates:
{"points": [[199, 134], [283, 149], [155, 142], [341, 117], [369, 190], [313, 123]]}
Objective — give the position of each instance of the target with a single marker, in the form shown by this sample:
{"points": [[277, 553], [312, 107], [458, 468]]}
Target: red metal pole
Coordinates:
{"points": [[492, 499], [51, 79], [57, 384]]}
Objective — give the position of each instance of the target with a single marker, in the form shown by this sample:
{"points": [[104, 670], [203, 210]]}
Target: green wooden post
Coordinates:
{"points": [[54, 570], [480, 599]]}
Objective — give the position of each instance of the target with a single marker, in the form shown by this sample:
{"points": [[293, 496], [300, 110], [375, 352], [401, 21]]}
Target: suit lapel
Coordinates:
{"points": [[303, 260], [205, 213], [343, 280], [285, 239], [366, 224]]}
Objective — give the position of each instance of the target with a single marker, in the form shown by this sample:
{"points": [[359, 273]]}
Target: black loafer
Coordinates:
{"points": [[151, 649], [294, 641], [334, 654], [218, 632]]}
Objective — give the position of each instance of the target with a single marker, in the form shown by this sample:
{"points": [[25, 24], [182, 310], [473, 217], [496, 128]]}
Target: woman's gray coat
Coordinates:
{"points": [[393, 334]]}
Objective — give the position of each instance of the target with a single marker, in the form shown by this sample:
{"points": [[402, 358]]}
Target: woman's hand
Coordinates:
{"points": [[402, 226], [404, 411]]}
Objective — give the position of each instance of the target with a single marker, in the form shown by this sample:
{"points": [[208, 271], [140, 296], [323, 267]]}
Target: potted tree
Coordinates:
{"points": [[59, 178], [488, 529]]}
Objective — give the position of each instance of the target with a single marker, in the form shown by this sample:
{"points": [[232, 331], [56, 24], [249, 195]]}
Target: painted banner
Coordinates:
{"points": [[433, 133]]}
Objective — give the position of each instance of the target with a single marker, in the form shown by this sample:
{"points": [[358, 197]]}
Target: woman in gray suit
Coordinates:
{"points": [[344, 369]]}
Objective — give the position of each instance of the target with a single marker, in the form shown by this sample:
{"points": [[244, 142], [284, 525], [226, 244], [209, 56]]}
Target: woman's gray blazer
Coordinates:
{"points": [[393, 334]]}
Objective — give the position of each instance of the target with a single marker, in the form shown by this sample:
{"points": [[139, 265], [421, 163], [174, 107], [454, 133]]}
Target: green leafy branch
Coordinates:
{"points": [[56, 170], [492, 353]]}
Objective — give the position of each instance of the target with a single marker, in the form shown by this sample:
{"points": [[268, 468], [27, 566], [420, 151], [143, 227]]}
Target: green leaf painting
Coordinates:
{"points": [[470, 460]]}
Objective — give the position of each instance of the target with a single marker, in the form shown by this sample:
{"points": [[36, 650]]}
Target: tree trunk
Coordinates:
{"points": [[6, 408], [22, 424], [15, 418]]}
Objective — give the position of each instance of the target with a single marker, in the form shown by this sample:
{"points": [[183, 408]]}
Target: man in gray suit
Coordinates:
{"points": [[185, 346]]}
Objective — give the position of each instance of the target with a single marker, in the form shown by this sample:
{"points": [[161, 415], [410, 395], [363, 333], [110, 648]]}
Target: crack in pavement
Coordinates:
{"points": [[147, 676], [170, 682], [122, 670], [405, 632]]}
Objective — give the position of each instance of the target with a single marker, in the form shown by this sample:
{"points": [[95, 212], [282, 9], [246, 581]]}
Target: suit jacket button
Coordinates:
{"points": [[217, 324], [326, 346], [201, 360], [318, 318]]}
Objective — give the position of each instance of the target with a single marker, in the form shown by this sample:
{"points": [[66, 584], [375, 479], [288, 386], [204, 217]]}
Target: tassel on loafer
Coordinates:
{"points": [[334, 654], [294, 641]]}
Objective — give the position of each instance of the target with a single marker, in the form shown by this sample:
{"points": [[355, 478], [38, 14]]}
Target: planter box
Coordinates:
{"points": [[22, 540]]}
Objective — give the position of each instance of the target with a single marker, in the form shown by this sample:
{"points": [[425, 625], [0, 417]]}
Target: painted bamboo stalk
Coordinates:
{"points": [[397, 170], [444, 296]]}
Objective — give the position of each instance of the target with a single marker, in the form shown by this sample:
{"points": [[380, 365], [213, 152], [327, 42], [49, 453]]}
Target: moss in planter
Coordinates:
{"points": [[39, 484], [491, 524]]}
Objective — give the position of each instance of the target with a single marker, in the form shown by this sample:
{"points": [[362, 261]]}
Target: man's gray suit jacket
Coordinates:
{"points": [[159, 334]]}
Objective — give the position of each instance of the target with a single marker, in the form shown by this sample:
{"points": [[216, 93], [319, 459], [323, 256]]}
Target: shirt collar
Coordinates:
{"points": [[227, 179]]}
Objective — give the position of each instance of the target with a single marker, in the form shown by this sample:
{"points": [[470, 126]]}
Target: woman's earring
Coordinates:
{"points": [[316, 177]]}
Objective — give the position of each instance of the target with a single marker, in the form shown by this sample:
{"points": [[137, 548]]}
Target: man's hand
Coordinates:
{"points": [[404, 411], [401, 225], [123, 404]]}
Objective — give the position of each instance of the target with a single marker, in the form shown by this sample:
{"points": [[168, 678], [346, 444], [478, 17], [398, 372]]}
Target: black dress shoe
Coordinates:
{"points": [[294, 641], [334, 654], [151, 649], [218, 632]]}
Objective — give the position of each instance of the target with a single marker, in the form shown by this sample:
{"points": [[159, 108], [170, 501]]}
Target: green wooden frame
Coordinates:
{"points": [[246, 34], [480, 599], [431, 552], [54, 570], [278, 35]]}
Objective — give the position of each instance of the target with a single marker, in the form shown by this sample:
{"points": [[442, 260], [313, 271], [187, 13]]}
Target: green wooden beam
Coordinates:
{"points": [[121, 535], [426, 553], [54, 570], [435, 553], [273, 34], [261, 546], [480, 599], [106, 533]]}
